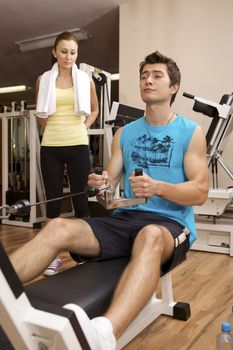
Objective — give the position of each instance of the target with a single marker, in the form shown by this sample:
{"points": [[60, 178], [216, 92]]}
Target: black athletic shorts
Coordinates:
{"points": [[116, 234]]}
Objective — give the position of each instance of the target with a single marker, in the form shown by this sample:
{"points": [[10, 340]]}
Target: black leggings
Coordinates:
{"points": [[53, 160]]}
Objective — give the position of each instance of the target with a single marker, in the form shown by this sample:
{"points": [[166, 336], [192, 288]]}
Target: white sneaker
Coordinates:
{"points": [[98, 331], [53, 268]]}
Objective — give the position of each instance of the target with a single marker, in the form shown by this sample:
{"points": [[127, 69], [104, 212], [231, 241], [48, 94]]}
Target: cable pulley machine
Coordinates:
{"points": [[104, 194]]}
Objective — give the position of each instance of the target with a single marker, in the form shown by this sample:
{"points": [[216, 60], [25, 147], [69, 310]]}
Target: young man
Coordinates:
{"points": [[171, 151]]}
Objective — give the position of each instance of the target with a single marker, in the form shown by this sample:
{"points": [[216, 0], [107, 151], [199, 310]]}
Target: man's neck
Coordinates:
{"points": [[158, 115]]}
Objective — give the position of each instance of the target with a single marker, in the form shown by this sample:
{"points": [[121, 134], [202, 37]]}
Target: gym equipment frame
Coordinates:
{"points": [[35, 183], [214, 217]]}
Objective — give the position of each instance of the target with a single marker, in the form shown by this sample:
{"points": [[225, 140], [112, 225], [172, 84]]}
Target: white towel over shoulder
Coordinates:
{"points": [[46, 99]]}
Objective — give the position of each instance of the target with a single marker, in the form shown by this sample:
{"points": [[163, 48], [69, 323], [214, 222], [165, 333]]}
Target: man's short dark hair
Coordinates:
{"points": [[172, 68]]}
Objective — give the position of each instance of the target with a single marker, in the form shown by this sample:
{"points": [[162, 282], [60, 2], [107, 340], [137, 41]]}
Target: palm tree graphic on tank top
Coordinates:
{"points": [[148, 151]]}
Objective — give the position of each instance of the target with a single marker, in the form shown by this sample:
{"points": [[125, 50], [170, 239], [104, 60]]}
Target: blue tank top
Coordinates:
{"points": [[159, 151]]}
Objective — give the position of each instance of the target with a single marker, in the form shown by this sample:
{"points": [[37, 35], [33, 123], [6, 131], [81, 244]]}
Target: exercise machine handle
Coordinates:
{"points": [[93, 191], [138, 172], [185, 94]]}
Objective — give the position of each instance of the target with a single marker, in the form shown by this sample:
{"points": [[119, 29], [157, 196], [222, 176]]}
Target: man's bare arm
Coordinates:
{"points": [[115, 166]]}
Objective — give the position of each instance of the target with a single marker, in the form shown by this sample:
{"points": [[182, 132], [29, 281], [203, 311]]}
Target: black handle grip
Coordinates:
{"points": [[185, 94], [92, 191], [98, 170], [138, 172]]}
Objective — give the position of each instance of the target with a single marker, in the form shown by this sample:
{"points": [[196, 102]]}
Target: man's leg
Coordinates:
{"points": [[74, 235], [153, 246]]}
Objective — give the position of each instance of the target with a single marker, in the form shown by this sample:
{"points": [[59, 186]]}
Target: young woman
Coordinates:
{"points": [[67, 106]]}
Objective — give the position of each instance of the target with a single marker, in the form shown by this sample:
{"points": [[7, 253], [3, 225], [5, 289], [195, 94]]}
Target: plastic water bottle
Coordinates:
{"points": [[224, 340]]}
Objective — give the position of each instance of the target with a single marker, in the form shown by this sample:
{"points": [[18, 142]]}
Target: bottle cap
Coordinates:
{"points": [[226, 327]]}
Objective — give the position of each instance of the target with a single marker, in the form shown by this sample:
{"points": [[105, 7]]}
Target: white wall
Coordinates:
{"points": [[197, 34]]}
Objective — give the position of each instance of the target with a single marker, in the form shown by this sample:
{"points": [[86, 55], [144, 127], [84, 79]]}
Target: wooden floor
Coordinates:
{"points": [[205, 280]]}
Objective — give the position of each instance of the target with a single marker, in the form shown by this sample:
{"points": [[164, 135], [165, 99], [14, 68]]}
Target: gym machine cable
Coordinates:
{"points": [[105, 197]]}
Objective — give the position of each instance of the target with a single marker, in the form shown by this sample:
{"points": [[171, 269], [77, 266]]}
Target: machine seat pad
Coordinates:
{"points": [[90, 285]]}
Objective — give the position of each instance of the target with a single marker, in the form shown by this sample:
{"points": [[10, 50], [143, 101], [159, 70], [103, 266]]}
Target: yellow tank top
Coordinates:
{"points": [[64, 128]]}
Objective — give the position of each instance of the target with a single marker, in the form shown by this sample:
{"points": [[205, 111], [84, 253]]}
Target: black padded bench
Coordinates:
{"points": [[33, 316], [90, 285]]}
